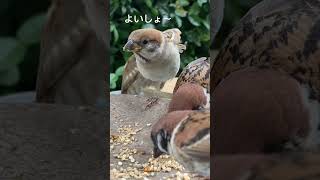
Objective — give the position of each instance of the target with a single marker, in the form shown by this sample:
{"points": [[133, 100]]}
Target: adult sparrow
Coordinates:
{"points": [[186, 136]]}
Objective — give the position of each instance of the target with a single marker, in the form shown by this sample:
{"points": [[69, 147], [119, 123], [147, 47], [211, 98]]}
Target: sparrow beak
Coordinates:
{"points": [[131, 46], [156, 152]]}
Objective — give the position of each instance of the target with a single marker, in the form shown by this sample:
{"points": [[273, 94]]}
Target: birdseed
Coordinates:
{"points": [[128, 167]]}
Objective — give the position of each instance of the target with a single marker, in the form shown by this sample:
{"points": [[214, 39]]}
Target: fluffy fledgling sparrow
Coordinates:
{"points": [[189, 96], [157, 53], [266, 80], [198, 72], [133, 82], [186, 136]]}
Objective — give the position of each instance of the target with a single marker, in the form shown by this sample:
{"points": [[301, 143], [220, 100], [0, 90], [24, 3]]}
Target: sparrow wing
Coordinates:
{"points": [[275, 34], [198, 72], [67, 73], [200, 149], [129, 75], [192, 135]]}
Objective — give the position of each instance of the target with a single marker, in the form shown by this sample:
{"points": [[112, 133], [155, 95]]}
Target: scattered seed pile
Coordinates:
{"points": [[128, 167]]}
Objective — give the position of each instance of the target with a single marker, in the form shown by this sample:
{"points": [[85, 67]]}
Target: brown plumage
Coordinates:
{"points": [[190, 142], [186, 136], [156, 58], [291, 166], [133, 82], [189, 96], [151, 34], [163, 128], [97, 14], [266, 80], [67, 73], [281, 35], [198, 72], [258, 111]]}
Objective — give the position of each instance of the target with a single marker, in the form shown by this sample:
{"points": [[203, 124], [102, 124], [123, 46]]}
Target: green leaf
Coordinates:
{"points": [[114, 30], [148, 3], [119, 71], [194, 10], [9, 77], [113, 80], [200, 2], [195, 20], [11, 53], [181, 12], [123, 9], [29, 32], [179, 21], [205, 22], [126, 55], [148, 25], [183, 2], [205, 36]]}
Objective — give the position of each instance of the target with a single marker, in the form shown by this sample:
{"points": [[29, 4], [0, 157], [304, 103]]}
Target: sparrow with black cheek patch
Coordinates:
{"points": [[157, 53], [189, 96], [198, 72], [162, 130], [186, 136]]}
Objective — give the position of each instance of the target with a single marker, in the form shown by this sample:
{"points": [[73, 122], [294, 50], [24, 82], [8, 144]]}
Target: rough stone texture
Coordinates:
{"points": [[52, 142], [131, 109]]}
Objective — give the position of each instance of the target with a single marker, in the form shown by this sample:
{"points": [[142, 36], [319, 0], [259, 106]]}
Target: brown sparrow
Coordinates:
{"points": [[157, 53], [261, 110], [198, 72], [189, 96], [186, 136], [66, 72], [265, 80], [133, 82]]}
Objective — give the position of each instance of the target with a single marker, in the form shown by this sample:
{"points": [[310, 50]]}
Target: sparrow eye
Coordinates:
{"points": [[145, 41]]}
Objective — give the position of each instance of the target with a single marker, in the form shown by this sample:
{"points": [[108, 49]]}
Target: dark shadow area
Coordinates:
{"points": [[53, 83]]}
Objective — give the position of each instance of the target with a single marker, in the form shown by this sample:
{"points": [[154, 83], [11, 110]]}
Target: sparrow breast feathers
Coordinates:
{"points": [[157, 53]]}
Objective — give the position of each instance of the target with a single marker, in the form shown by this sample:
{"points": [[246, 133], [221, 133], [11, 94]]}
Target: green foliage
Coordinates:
{"points": [[29, 32], [11, 54], [14, 49], [191, 17], [21, 24]]}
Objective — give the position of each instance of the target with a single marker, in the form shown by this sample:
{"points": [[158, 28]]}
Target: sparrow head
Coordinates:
{"points": [[146, 43], [162, 130], [189, 96]]}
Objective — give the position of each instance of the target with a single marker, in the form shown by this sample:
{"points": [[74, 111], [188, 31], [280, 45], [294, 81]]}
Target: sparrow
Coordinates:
{"points": [[189, 96], [157, 53], [66, 72], [96, 11], [198, 71], [185, 135], [286, 166], [265, 80], [133, 82]]}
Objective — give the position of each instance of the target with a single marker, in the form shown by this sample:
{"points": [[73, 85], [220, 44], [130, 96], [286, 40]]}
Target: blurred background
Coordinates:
{"points": [[21, 23], [190, 16]]}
